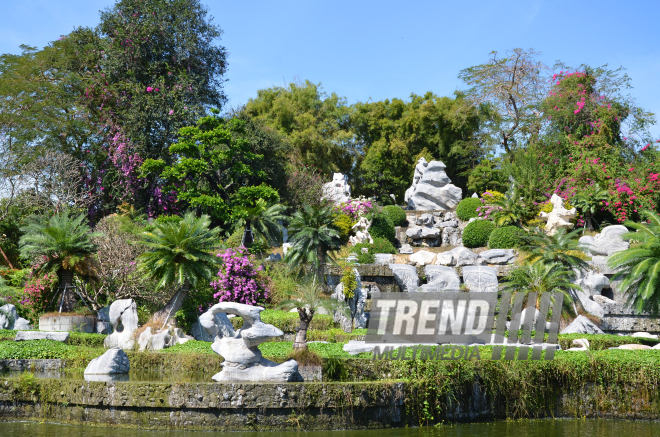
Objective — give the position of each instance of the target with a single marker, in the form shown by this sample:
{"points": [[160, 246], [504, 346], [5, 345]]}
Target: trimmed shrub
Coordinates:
{"points": [[396, 214], [381, 245], [476, 234], [506, 237], [467, 208], [382, 227], [345, 225], [235, 239]]}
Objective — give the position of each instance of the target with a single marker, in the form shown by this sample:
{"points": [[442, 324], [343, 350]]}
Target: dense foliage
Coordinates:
{"points": [[396, 214], [382, 227], [476, 234], [507, 237], [467, 208]]}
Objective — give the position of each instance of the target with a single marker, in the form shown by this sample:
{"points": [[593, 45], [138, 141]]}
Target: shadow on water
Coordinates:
{"points": [[525, 428]]}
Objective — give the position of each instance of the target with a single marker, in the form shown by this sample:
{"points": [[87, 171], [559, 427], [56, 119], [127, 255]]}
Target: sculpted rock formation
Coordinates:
{"points": [[338, 190], [357, 305], [582, 325], [441, 278], [431, 188], [153, 341], [361, 232], [480, 278], [606, 243], [406, 276], [124, 320], [559, 217], [112, 361], [243, 359]]}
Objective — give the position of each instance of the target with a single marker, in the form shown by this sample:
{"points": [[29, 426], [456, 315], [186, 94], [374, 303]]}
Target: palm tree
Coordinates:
{"points": [[307, 299], [62, 244], [261, 222], [588, 201], [561, 248], [511, 210], [179, 254], [312, 234], [639, 266]]}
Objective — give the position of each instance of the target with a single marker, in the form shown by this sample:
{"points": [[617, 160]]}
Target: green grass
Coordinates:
{"points": [[75, 338], [288, 321]]}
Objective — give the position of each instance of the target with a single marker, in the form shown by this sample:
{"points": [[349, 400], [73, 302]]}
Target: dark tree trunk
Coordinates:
{"points": [[68, 302], [306, 316], [248, 238], [162, 316], [588, 221]]}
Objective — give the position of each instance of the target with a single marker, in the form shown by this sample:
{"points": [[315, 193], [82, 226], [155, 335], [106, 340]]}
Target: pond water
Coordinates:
{"points": [[528, 428]]}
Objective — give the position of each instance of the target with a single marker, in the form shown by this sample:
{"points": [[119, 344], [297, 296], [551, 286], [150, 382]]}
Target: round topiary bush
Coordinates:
{"points": [[382, 227], [396, 214], [467, 208], [506, 237], [476, 234]]}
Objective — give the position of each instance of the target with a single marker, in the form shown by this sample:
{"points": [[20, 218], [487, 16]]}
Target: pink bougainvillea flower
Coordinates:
{"points": [[171, 112], [149, 89]]}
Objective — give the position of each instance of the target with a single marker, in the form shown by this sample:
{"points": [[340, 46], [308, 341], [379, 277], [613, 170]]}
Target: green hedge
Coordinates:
{"points": [[476, 234], [507, 237], [75, 338], [288, 321], [381, 245], [467, 208], [396, 214], [382, 227]]}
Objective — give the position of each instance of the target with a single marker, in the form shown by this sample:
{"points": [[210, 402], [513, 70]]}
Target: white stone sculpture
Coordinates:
{"points": [[242, 358], [458, 256], [441, 278], [559, 216], [498, 256], [103, 325], [422, 257], [406, 276], [124, 320], [338, 191], [608, 242], [154, 341], [62, 337], [480, 278], [582, 325], [431, 188], [112, 361], [356, 305], [9, 318], [361, 232]]}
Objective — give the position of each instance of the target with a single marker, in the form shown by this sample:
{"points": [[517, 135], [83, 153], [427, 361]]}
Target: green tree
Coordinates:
{"points": [[394, 134], [179, 254], [63, 244], [261, 222], [312, 234], [639, 266], [315, 124]]}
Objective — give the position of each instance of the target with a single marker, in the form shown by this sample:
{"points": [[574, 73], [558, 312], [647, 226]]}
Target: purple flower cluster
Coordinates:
{"points": [[356, 208], [238, 280]]}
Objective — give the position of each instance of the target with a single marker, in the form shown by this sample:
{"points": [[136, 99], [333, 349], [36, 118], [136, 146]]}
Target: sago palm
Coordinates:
{"points": [[588, 202], [262, 222], [63, 244], [510, 209], [179, 254], [639, 266], [561, 248], [312, 234]]}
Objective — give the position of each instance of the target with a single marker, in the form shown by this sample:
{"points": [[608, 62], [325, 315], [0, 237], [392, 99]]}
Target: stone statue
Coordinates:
{"points": [[243, 359], [431, 188], [559, 216], [361, 232], [338, 190], [124, 320]]}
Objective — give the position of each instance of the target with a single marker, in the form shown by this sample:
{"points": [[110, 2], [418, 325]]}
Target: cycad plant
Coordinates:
{"points": [[561, 248], [261, 222], [313, 234], [179, 254], [588, 202], [62, 244], [639, 266], [307, 298], [511, 210]]}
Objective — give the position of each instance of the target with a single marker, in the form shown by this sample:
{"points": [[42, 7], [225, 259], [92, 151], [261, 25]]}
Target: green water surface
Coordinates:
{"points": [[525, 428]]}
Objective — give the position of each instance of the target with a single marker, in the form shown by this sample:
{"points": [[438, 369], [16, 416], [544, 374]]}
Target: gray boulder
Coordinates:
{"points": [[103, 325], [582, 325], [447, 224], [384, 259], [22, 324], [422, 257], [406, 276], [113, 361], [357, 306], [428, 232], [452, 237], [8, 316], [606, 243], [441, 278], [461, 257], [406, 249], [42, 335], [425, 219], [414, 233], [498, 256], [434, 190], [480, 278]]}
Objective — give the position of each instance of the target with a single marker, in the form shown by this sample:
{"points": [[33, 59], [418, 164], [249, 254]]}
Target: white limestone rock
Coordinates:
{"points": [[243, 361], [441, 278], [445, 259], [338, 190], [475, 195], [103, 325], [463, 256], [559, 216], [579, 344], [414, 233], [603, 300], [608, 242], [447, 224], [361, 229], [645, 335], [428, 232], [286, 247], [406, 276], [498, 256], [22, 324], [113, 361], [480, 278], [422, 257], [357, 306], [124, 320], [406, 249], [42, 335], [216, 325], [274, 257], [592, 284], [355, 347], [425, 219], [8, 316], [432, 189], [452, 237], [154, 341], [582, 325], [384, 259]]}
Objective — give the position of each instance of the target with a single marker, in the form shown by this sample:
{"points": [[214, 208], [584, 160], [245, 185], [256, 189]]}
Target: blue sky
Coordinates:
{"points": [[383, 49]]}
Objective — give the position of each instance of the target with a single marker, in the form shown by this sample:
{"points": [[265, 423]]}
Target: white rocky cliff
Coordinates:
{"points": [[338, 190], [431, 188]]}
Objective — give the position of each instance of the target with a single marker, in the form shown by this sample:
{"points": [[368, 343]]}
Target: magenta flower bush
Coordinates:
{"points": [[238, 279], [356, 208]]}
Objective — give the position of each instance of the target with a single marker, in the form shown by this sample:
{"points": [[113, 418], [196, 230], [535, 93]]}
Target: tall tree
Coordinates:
{"points": [[512, 86]]}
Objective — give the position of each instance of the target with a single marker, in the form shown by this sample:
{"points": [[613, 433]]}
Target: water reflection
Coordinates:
{"points": [[529, 428]]}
